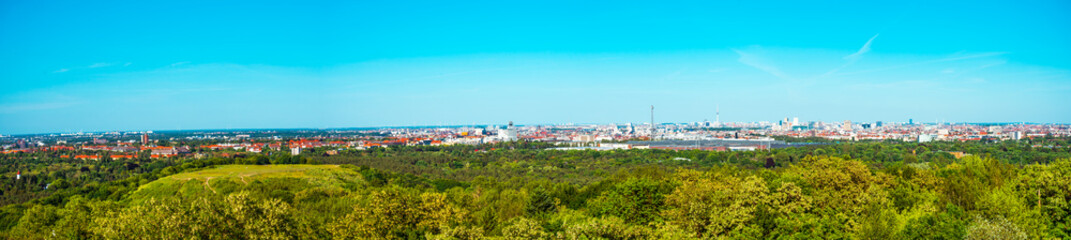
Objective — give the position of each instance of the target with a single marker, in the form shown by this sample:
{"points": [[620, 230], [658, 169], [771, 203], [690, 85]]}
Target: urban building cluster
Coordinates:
{"points": [[713, 136]]}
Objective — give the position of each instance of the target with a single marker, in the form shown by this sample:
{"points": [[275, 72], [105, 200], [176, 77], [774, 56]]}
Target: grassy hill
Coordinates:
{"points": [[278, 181]]}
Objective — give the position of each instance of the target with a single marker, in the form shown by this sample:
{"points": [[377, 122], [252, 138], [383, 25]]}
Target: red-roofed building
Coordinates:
{"points": [[87, 157]]}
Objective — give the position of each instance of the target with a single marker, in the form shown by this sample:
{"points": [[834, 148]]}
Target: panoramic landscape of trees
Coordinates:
{"points": [[520, 190]]}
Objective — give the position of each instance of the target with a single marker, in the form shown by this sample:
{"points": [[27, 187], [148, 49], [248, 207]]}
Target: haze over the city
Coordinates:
{"points": [[69, 66]]}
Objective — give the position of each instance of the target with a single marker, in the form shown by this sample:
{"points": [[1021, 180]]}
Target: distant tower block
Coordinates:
{"points": [[508, 134]]}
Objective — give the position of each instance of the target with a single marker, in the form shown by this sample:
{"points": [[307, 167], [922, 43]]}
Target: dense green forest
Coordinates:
{"points": [[867, 190]]}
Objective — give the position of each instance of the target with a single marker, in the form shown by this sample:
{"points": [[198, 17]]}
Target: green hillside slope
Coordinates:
{"points": [[275, 181]]}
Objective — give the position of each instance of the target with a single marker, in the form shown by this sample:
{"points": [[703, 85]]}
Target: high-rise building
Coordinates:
{"points": [[144, 139], [847, 125], [910, 121], [795, 121], [508, 134], [877, 124], [926, 138]]}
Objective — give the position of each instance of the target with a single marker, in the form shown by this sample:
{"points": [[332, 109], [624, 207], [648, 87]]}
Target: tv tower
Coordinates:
{"points": [[717, 115], [652, 122]]}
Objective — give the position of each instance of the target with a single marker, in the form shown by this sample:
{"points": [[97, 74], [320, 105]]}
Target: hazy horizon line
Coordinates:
{"points": [[485, 125]]}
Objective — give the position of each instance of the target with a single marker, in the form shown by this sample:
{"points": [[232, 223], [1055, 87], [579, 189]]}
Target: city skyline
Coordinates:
{"points": [[75, 66], [762, 125]]}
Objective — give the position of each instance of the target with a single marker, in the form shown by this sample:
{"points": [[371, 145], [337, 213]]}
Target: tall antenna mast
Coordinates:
{"points": [[652, 122], [717, 115]]}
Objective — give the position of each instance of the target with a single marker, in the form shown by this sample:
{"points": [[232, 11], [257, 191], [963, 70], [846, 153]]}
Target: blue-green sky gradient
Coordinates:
{"points": [[68, 66]]}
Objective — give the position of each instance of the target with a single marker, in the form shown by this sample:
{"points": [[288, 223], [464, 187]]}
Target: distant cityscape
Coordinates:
{"points": [[705, 135]]}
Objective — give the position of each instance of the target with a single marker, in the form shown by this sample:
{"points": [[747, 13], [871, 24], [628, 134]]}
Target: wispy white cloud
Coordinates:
{"points": [[463, 73], [759, 63], [954, 57], [100, 65], [179, 63], [954, 73], [180, 90], [899, 85], [854, 57], [95, 65], [863, 50], [961, 55], [987, 66]]}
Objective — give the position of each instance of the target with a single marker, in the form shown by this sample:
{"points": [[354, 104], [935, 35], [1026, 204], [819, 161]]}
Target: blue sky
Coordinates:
{"points": [[67, 66]]}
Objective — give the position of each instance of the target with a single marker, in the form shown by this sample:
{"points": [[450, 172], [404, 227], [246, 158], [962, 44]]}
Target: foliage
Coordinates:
{"points": [[867, 190]]}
